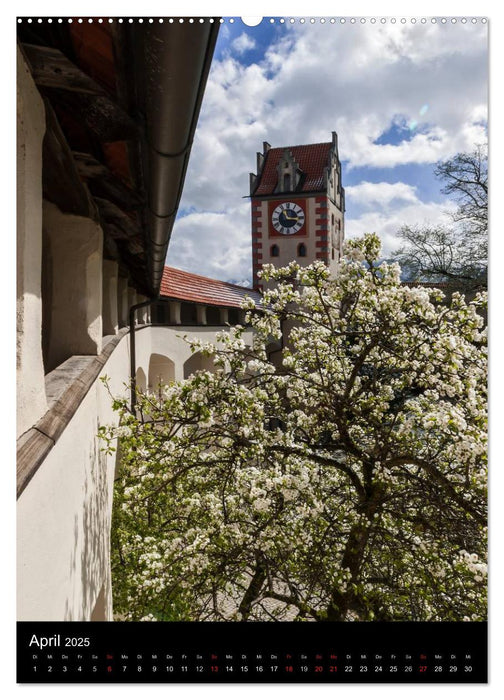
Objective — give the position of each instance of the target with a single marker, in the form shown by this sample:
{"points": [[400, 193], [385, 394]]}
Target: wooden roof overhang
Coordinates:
{"points": [[122, 103]]}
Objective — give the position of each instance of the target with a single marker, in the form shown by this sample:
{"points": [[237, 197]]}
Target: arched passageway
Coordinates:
{"points": [[161, 371], [196, 362], [141, 380]]}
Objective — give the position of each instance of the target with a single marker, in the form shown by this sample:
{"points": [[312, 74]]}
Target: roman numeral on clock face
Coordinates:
{"points": [[288, 218]]}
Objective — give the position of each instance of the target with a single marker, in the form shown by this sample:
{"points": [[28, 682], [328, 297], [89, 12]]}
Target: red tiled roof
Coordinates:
{"points": [[186, 286], [311, 159]]}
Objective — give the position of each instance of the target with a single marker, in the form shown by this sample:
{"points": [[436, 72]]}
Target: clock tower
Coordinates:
{"points": [[298, 206]]}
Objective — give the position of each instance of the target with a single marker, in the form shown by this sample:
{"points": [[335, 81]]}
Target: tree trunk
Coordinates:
{"points": [[353, 557], [254, 588]]}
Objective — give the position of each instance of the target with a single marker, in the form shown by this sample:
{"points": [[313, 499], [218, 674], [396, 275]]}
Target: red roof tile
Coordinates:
{"points": [[312, 160], [186, 286]]}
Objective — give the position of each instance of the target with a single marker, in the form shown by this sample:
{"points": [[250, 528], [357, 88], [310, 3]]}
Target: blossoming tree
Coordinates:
{"points": [[339, 478]]}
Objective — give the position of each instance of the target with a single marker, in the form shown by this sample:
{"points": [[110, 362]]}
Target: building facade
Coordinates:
{"points": [[298, 206], [106, 118]]}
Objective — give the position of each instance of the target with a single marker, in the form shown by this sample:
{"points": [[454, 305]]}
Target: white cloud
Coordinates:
{"points": [[386, 222], [372, 194], [354, 79], [243, 43], [214, 244]]}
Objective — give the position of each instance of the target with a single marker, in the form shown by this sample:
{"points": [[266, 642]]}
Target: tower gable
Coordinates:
{"points": [[310, 162], [289, 173], [297, 206]]}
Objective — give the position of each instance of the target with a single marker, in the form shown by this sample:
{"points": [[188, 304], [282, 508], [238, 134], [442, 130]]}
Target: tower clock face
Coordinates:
{"points": [[288, 218]]}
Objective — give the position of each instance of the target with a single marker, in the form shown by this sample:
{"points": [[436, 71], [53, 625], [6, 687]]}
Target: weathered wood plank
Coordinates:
{"points": [[32, 448], [117, 220], [102, 183], [51, 68], [79, 94], [34, 445], [61, 183]]}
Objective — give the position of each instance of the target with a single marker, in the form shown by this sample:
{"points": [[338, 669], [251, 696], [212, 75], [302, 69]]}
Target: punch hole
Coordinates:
{"points": [[252, 21]]}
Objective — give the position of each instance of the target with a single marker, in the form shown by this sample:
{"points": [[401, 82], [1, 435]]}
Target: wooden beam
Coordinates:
{"points": [[124, 226], [79, 94], [51, 68], [61, 183], [102, 183]]}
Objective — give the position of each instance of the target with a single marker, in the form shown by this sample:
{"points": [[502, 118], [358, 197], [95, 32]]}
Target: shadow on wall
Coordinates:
{"points": [[196, 362], [161, 371], [91, 590], [141, 380]]}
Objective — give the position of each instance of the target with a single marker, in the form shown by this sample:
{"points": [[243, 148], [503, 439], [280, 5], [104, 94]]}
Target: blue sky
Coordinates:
{"points": [[400, 96]]}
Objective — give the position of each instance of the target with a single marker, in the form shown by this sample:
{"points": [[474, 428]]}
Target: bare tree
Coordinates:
{"points": [[458, 253], [466, 177]]}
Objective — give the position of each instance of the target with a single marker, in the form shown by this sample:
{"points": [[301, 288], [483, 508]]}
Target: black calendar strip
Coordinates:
{"points": [[252, 652]]}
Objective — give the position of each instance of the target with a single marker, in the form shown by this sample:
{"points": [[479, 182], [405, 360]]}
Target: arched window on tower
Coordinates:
{"points": [[286, 182], [274, 251], [301, 250]]}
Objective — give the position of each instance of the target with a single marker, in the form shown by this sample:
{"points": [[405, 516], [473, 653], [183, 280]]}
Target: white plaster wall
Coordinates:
{"points": [[64, 513], [76, 244], [31, 398], [109, 297]]}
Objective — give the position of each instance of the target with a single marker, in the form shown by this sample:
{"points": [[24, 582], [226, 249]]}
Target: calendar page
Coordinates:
{"points": [[251, 349]]}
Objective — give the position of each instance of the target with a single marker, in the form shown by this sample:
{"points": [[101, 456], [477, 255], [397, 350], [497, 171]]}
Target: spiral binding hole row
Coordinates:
{"points": [[271, 20]]}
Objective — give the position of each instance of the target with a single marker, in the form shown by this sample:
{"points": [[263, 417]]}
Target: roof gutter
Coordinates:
{"points": [[172, 66]]}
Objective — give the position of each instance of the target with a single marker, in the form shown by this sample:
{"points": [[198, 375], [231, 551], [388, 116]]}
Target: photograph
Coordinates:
{"points": [[251, 346]]}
